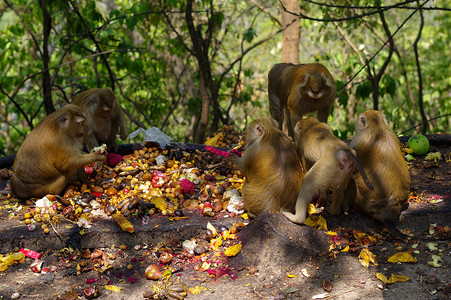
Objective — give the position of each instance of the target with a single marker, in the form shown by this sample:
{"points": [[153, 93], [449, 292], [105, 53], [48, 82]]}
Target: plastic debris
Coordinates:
{"points": [[153, 134]]}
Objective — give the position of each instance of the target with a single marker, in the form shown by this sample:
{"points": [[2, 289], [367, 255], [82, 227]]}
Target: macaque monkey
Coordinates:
{"points": [[378, 150], [271, 167], [295, 90], [51, 155], [104, 118], [329, 163]]}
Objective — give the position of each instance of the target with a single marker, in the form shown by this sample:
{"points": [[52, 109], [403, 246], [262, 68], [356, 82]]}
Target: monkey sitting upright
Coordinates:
{"points": [[51, 155], [295, 90], [271, 167], [104, 118], [379, 152]]}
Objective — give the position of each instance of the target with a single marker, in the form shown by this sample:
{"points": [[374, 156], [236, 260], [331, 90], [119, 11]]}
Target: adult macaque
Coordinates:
{"points": [[378, 150], [104, 118], [271, 167], [329, 164], [51, 155], [295, 90]]}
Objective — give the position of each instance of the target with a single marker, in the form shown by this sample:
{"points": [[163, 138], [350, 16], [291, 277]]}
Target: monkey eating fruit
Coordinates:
{"points": [[51, 155]]}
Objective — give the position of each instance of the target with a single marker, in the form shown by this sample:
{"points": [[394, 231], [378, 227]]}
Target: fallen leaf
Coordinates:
{"points": [[402, 257], [435, 261], [291, 276], [291, 290], [432, 246]]}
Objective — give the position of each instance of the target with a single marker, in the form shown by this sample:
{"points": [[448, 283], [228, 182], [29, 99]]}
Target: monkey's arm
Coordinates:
{"points": [[73, 162]]}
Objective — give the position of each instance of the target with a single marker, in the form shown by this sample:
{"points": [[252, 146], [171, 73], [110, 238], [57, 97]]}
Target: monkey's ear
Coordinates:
{"points": [[298, 127], [362, 120], [260, 129], [64, 120]]}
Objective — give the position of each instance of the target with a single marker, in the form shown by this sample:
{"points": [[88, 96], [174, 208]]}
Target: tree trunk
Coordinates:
{"points": [[46, 84], [291, 35]]}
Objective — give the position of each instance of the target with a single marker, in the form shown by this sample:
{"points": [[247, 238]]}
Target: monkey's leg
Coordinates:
{"points": [[323, 114]]}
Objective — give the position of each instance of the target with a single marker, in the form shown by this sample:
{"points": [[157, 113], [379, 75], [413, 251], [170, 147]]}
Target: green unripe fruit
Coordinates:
{"points": [[419, 144]]}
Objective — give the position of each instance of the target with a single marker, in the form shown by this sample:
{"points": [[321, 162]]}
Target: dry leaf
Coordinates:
{"points": [[434, 263]]}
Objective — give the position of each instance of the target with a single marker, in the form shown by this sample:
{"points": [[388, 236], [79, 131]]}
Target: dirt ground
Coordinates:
{"points": [[278, 259]]}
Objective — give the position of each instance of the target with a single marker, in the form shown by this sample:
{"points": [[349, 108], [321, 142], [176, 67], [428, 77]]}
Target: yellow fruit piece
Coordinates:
{"points": [[215, 243], [159, 202], [233, 250], [195, 290], [393, 278], [113, 288], [402, 257], [214, 140], [316, 221], [366, 257], [123, 223]]}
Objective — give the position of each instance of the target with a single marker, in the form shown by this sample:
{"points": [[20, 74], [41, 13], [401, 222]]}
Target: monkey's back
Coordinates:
{"points": [[273, 181], [382, 160], [35, 163]]}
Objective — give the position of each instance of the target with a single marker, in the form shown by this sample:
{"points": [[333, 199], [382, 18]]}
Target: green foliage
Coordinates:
{"points": [[148, 49]]}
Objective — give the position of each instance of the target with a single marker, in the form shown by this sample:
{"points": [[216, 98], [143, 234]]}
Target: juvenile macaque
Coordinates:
{"points": [[378, 150], [329, 164], [104, 118], [295, 90], [51, 155], [271, 167]]}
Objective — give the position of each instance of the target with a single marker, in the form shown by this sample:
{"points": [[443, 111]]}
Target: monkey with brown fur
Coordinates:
{"points": [[328, 162], [104, 118], [379, 152], [51, 155], [271, 167], [295, 90]]}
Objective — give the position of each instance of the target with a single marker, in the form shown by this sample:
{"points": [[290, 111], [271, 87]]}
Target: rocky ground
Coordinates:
{"points": [[278, 259]]}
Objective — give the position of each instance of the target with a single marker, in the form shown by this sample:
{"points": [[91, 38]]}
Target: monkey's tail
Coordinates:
{"points": [[362, 171]]}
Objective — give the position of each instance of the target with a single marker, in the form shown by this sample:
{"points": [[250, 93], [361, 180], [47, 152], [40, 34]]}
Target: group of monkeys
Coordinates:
{"points": [[52, 154], [371, 176]]}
